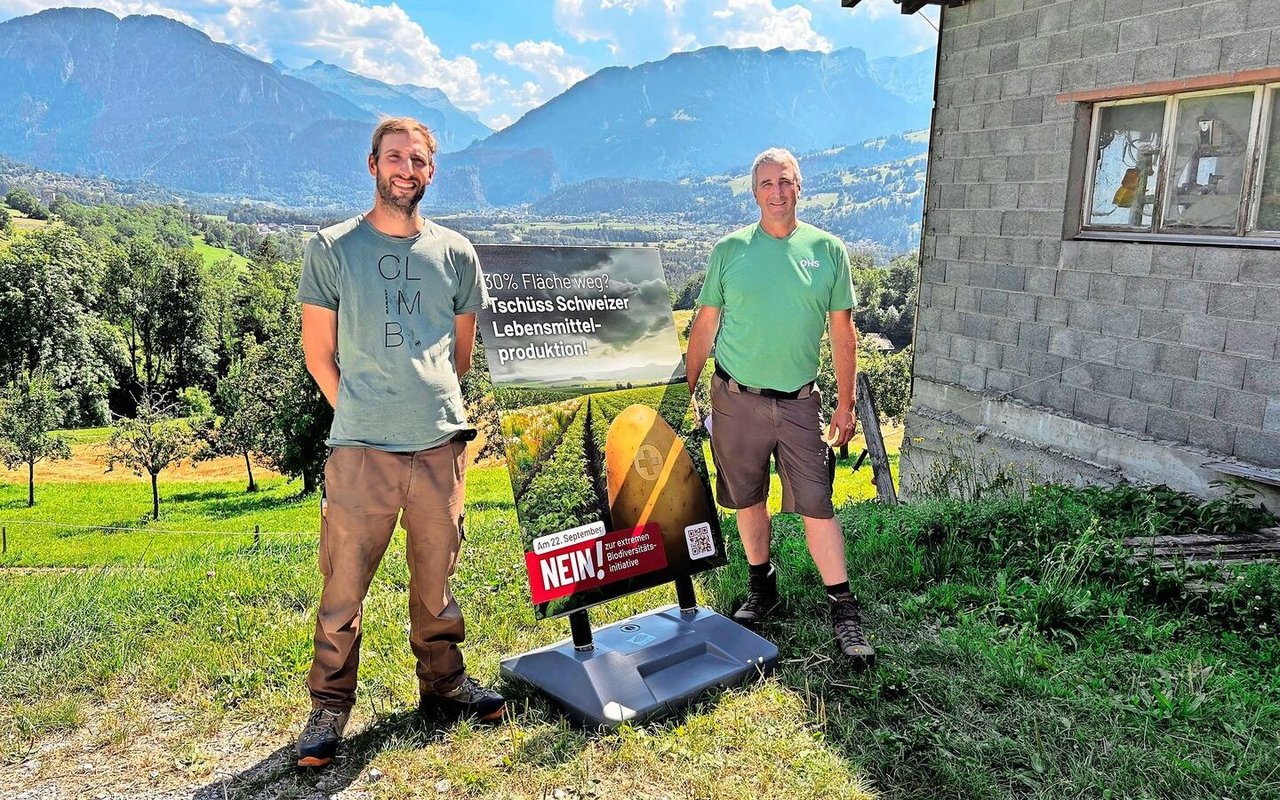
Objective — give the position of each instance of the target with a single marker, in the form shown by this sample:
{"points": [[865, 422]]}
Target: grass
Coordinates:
{"points": [[214, 255], [1021, 655], [76, 436]]}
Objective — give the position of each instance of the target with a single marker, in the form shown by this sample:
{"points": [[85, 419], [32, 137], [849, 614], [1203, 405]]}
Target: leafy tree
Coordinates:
{"points": [[889, 374], [113, 225], [6, 224], [153, 440], [887, 300], [185, 330], [160, 302], [222, 287], [217, 232], [265, 298], [25, 202], [890, 377], [300, 417], [29, 410], [244, 415], [49, 288], [245, 240], [688, 297]]}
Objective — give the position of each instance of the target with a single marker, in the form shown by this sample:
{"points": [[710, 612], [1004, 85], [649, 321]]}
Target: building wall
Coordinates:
{"points": [[1098, 360]]}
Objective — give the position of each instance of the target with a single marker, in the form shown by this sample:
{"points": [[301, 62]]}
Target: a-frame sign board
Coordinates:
{"points": [[612, 496]]}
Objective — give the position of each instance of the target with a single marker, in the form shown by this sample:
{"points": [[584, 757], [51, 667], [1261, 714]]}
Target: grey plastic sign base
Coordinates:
{"points": [[645, 666]]}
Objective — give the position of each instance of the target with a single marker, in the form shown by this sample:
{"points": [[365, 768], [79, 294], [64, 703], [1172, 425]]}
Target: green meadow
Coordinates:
{"points": [[1024, 652]]}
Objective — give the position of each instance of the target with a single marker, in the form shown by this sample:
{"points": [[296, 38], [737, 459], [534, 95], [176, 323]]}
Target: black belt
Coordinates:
{"points": [[798, 394]]}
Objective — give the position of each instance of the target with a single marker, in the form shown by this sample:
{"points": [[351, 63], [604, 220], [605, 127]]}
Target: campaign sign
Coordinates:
{"points": [[589, 379]]}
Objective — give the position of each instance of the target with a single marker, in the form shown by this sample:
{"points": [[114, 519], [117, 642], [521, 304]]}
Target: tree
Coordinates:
{"points": [[6, 224], [29, 410], [160, 302], [264, 298], [890, 377], [153, 440], [25, 202], [49, 288], [889, 374], [244, 415], [887, 300], [293, 442]]}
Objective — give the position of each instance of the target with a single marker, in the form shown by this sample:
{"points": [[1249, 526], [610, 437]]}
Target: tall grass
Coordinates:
{"points": [[1024, 652]]}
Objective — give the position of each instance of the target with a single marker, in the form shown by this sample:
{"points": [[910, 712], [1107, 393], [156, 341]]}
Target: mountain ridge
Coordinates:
{"points": [[147, 98]]}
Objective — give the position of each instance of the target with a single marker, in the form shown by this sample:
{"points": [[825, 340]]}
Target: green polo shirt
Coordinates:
{"points": [[774, 296]]}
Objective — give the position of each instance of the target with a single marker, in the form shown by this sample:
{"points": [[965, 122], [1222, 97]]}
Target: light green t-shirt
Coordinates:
{"points": [[774, 296], [396, 301]]}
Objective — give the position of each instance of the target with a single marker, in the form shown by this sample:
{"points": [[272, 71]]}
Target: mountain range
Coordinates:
{"points": [[454, 129], [146, 98]]}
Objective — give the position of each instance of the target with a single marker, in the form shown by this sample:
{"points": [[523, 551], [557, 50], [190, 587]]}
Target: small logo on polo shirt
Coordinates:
{"points": [[810, 263]]}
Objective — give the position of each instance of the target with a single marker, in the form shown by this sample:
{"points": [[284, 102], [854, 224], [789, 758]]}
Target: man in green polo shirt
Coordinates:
{"points": [[772, 289]]}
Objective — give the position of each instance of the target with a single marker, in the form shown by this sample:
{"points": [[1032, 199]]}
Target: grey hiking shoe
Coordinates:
{"points": [[846, 619], [319, 739], [762, 597], [467, 699]]}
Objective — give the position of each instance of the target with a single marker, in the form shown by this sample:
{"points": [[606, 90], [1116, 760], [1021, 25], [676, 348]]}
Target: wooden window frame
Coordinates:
{"points": [[1265, 85]]}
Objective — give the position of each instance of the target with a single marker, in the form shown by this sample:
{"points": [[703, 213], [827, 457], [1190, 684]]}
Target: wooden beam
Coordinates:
{"points": [[1271, 477], [1224, 80], [865, 404]]}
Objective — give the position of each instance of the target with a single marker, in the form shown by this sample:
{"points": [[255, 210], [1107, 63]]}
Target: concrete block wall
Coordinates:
{"points": [[1171, 343]]}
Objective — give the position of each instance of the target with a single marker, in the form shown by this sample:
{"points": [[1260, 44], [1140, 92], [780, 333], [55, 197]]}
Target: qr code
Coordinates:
{"points": [[698, 538]]}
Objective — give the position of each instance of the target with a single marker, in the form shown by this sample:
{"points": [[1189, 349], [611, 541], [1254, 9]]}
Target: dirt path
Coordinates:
{"points": [[132, 748]]}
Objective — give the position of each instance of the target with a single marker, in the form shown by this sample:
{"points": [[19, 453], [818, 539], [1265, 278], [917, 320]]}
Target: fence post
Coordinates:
{"points": [[4, 540], [257, 536]]}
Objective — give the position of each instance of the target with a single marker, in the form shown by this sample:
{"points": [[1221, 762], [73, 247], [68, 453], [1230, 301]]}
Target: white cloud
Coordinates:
{"points": [[637, 30], [758, 23], [379, 41], [544, 60]]}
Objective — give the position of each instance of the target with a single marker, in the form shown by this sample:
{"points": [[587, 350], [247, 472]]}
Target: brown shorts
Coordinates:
{"points": [[746, 429]]}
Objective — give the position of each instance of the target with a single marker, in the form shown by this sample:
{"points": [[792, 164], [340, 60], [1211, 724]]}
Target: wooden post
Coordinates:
{"points": [[866, 408], [4, 539], [257, 536]]}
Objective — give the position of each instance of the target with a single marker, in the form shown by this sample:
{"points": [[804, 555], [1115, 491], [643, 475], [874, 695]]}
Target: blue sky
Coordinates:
{"points": [[500, 58]]}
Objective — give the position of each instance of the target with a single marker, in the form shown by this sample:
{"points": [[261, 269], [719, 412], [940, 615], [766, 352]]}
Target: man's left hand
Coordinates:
{"points": [[841, 428]]}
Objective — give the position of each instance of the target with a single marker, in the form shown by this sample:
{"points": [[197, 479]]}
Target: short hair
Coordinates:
{"points": [[407, 125], [775, 155]]}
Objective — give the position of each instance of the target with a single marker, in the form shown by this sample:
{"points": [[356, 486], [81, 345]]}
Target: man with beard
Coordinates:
{"points": [[388, 326]]}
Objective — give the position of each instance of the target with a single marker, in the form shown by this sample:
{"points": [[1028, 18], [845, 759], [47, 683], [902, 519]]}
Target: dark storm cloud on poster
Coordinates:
{"points": [[598, 303], [611, 494]]}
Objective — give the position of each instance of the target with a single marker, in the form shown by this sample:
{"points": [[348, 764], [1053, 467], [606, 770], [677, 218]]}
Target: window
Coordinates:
{"points": [[1192, 164]]}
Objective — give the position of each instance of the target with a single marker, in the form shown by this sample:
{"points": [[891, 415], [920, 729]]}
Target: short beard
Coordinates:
{"points": [[407, 207]]}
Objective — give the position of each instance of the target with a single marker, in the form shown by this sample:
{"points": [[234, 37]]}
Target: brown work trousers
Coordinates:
{"points": [[366, 491]]}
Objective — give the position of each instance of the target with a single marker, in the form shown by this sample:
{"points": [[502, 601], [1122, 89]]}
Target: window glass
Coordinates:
{"points": [[1210, 137], [1126, 164], [1269, 196]]}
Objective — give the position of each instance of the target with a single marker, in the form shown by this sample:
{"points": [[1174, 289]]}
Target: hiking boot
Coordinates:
{"points": [[846, 619], [467, 699], [762, 597], [320, 736]]}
